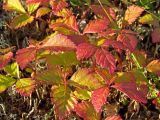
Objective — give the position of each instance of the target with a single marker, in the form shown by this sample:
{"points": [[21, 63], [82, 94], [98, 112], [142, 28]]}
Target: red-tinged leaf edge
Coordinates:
{"points": [[5, 59]]}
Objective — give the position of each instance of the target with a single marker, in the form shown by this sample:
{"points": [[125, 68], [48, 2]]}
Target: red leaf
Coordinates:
{"points": [[105, 60], [114, 117], [36, 1], [128, 38], [26, 55], [78, 39], [99, 97], [156, 35], [58, 5], [132, 13], [5, 59], [86, 111], [97, 9], [72, 23], [108, 32], [59, 42], [130, 89], [85, 51], [114, 44], [96, 26]]}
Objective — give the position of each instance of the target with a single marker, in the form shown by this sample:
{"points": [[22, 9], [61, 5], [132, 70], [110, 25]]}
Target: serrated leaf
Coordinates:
{"points": [[99, 97], [25, 55], [88, 78], [50, 76], [154, 66], [5, 59], [147, 19], [42, 11], [25, 86], [32, 7], [133, 84], [58, 6], [114, 44], [105, 59], [85, 51], [58, 42], [156, 35], [92, 26], [21, 20], [87, 111], [14, 5], [114, 117], [128, 38], [5, 82], [12, 69], [132, 13], [82, 94], [65, 59], [63, 99], [35, 1]]}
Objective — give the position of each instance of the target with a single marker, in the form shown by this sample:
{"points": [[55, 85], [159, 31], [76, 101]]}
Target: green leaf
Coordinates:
{"points": [[25, 86], [21, 21], [12, 69], [82, 94], [63, 99], [14, 5], [5, 82], [32, 7], [50, 76], [88, 78], [147, 19], [42, 11], [65, 59]]}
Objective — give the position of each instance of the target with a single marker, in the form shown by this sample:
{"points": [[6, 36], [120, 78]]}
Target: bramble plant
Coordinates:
{"points": [[82, 59]]}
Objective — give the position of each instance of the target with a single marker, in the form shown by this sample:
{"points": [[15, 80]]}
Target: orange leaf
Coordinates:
{"points": [[132, 13], [4, 59], [154, 66]]}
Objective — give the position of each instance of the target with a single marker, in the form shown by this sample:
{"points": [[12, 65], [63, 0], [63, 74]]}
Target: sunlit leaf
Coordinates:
{"points": [[5, 82], [14, 5], [58, 42], [32, 7], [147, 19], [12, 69], [42, 11], [87, 111], [132, 13], [96, 26], [5, 59], [63, 99], [21, 20], [88, 78], [25, 86], [82, 94], [154, 66]]}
